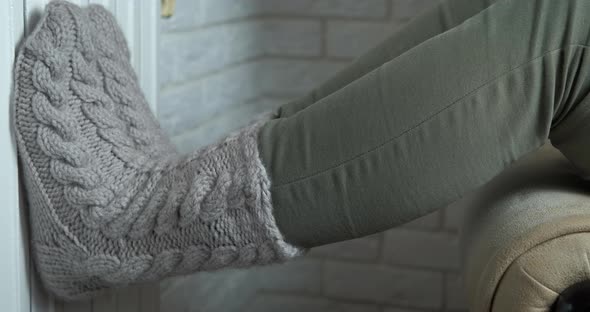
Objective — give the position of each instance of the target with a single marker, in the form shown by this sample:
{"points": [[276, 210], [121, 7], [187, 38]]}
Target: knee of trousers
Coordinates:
{"points": [[564, 24]]}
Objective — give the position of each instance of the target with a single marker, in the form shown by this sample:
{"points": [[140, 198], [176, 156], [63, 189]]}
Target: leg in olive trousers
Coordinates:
{"points": [[433, 112]]}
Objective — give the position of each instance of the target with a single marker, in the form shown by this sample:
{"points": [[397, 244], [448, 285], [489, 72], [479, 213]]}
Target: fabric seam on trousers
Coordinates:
{"points": [[432, 116]]}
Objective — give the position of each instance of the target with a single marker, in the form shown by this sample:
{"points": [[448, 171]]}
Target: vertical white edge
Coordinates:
{"points": [[149, 26], [124, 10], [14, 289], [39, 301]]}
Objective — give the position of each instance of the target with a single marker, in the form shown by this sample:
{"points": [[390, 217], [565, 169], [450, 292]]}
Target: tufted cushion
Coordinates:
{"points": [[534, 280], [526, 234]]}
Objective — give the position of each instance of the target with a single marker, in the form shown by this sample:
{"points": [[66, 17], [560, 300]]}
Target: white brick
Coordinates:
{"points": [[365, 249], [302, 275], [190, 55], [206, 291], [177, 107], [186, 15], [295, 77], [218, 127], [430, 221], [454, 216], [351, 39], [297, 303], [168, 283], [209, 291], [407, 9], [421, 249], [328, 8], [190, 14], [215, 11], [456, 293], [412, 288], [232, 86], [188, 106], [204, 134], [390, 309], [290, 37]]}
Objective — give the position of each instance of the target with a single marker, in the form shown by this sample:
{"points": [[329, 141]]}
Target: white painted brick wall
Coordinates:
{"points": [[364, 249], [297, 303], [364, 9], [427, 250], [289, 37], [406, 9], [224, 61], [191, 55], [350, 39], [383, 284]]}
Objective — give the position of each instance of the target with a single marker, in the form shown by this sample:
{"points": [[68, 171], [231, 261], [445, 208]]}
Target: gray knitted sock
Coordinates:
{"points": [[111, 202]]}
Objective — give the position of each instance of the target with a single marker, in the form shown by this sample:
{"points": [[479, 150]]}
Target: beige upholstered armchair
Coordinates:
{"points": [[525, 242]]}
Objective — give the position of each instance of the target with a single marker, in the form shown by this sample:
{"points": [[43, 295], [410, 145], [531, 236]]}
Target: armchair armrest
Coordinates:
{"points": [[525, 238]]}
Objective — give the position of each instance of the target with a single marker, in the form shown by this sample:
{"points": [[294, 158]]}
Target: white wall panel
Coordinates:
{"points": [[14, 290]]}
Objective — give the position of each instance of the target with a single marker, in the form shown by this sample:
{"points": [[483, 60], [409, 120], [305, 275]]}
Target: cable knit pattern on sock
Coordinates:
{"points": [[111, 202]]}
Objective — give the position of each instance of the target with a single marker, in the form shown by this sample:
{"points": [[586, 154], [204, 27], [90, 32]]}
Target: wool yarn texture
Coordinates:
{"points": [[110, 200]]}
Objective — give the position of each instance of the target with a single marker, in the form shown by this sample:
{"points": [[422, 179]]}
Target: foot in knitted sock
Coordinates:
{"points": [[111, 202]]}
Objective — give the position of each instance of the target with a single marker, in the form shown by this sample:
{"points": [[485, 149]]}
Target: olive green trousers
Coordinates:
{"points": [[433, 112]]}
